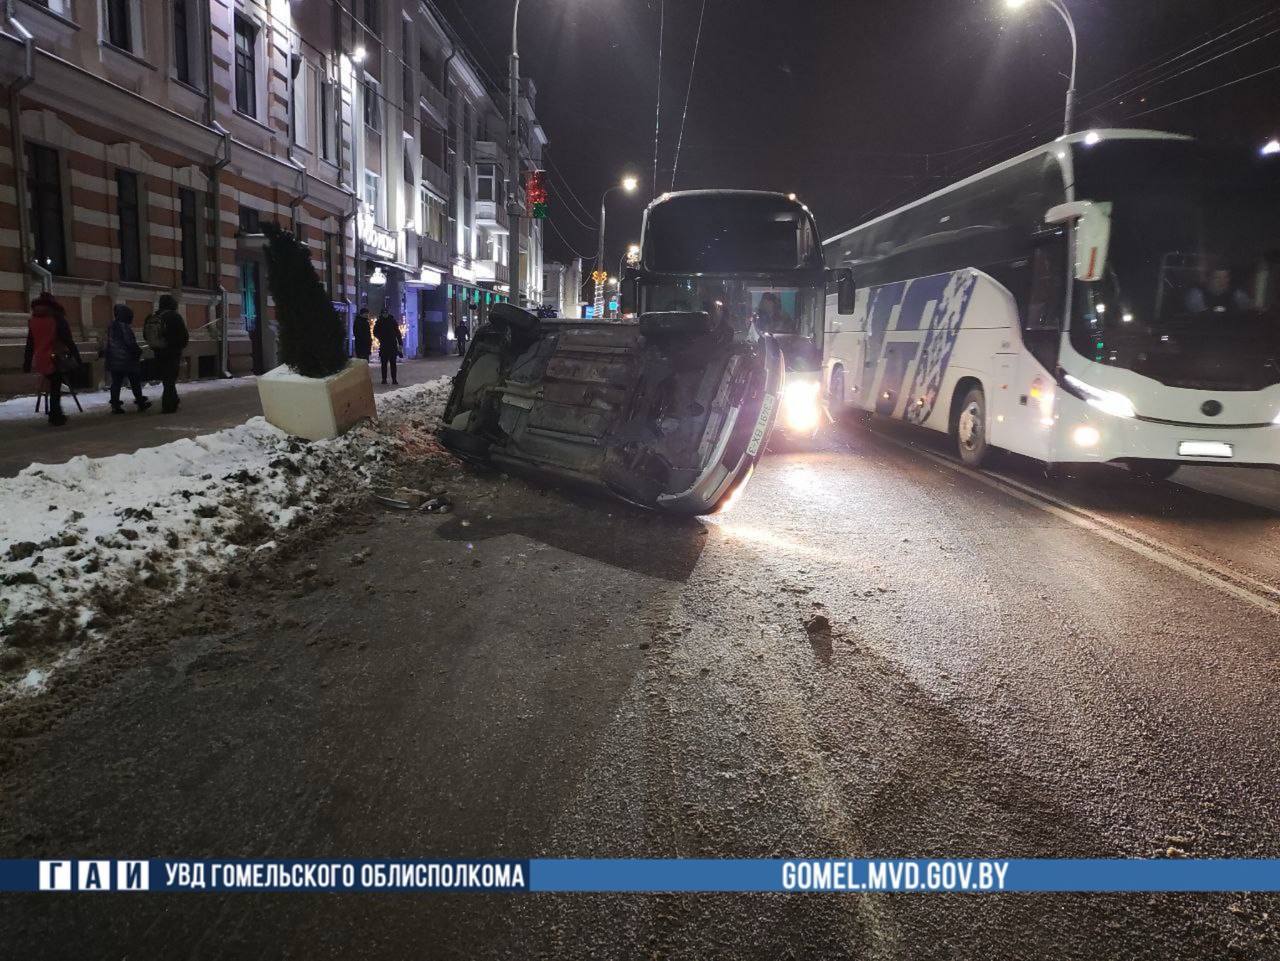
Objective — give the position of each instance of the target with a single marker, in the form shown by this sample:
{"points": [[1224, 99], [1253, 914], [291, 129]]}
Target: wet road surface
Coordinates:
{"points": [[1078, 667]]}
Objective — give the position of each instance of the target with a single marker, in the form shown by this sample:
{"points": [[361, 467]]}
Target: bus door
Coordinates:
{"points": [[1029, 352]]}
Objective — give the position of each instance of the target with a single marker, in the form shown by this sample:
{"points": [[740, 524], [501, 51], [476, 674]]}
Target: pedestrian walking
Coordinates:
{"points": [[51, 351], [390, 343], [124, 359], [166, 334], [461, 332], [362, 335]]}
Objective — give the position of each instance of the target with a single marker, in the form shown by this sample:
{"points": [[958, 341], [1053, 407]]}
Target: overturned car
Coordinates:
{"points": [[671, 407], [671, 412]]}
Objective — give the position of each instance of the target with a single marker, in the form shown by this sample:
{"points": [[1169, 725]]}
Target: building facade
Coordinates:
{"points": [[562, 287], [144, 144]]}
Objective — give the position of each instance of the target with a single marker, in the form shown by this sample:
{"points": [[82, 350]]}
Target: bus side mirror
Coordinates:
{"points": [[1092, 232], [842, 279]]}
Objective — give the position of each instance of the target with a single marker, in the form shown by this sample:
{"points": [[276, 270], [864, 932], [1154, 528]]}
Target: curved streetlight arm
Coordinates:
{"points": [[1075, 56], [600, 242]]}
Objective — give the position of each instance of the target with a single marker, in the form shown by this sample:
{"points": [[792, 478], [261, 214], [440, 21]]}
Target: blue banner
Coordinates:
{"points": [[799, 876]]}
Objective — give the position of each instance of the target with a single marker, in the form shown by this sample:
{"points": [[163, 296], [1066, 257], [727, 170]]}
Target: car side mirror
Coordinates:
{"points": [[842, 279], [1092, 221]]}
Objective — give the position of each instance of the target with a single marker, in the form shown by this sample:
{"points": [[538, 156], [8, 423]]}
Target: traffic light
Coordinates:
{"points": [[535, 191]]}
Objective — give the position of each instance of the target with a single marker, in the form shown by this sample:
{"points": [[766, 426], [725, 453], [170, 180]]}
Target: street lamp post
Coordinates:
{"points": [[628, 184], [513, 157], [1063, 12]]}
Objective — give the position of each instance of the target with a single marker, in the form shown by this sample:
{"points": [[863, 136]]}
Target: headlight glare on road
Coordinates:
{"points": [[1086, 436], [800, 408], [1107, 401]]}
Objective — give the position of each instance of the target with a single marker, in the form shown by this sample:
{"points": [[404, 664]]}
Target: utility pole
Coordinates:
{"points": [[513, 158]]}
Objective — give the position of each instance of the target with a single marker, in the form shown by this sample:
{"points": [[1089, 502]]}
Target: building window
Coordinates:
{"points": [[181, 42], [249, 221], [467, 217], [188, 225], [371, 16], [406, 68], [119, 24], [372, 105], [298, 82], [488, 183], [246, 67], [326, 98], [44, 200], [130, 229], [373, 194], [429, 67], [331, 265]]}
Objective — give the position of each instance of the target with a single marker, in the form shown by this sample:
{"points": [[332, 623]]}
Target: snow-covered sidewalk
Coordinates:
{"points": [[94, 539], [23, 406]]}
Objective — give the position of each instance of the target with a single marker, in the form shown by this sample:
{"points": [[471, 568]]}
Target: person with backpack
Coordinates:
{"points": [[124, 359], [166, 334], [389, 343], [51, 351]]}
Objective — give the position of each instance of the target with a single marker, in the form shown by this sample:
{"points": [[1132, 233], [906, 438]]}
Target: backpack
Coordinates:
{"points": [[153, 332]]}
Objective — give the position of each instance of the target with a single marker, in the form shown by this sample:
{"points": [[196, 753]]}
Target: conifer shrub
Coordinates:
{"points": [[312, 338]]}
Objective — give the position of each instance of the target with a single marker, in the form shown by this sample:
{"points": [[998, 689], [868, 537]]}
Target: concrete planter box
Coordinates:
{"points": [[317, 408]]}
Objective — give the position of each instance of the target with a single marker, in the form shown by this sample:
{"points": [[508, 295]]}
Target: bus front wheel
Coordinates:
{"points": [[970, 428]]}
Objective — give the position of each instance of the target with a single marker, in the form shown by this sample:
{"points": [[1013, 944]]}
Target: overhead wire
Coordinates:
{"points": [[1154, 74], [693, 66]]}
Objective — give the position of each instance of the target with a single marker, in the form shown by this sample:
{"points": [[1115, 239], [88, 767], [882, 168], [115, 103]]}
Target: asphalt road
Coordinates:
{"points": [[1015, 667]]}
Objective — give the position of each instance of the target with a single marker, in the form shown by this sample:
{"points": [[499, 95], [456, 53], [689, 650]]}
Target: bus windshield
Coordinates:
{"points": [[748, 305], [1191, 293]]}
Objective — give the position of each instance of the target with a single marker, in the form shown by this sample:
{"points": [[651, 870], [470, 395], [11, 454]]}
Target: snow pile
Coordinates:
{"points": [[85, 542]]}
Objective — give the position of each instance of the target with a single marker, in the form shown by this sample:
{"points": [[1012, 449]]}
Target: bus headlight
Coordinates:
{"points": [[1107, 401], [1086, 436], [801, 410]]}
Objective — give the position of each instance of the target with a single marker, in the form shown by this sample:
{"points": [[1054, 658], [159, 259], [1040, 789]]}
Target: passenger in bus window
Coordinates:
{"points": [[1216, 294], [771, 318]]}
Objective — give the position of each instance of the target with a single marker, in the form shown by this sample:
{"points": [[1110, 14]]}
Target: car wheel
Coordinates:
{"points": [[970, 428], [1154, 470]]}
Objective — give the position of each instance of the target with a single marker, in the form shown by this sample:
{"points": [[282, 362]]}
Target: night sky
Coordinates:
{"points": [[856, 105]]}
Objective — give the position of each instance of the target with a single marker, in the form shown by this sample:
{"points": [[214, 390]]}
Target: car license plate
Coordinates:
{"points": [[1205, 448], [762, 425]]}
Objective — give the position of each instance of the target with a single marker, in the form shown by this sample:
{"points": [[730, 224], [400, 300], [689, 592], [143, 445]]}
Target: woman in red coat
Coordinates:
{"points": [[51, 350]]}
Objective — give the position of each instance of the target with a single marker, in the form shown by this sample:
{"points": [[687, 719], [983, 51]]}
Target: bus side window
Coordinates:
{"points": [[1048, 287], [1043, 314]]}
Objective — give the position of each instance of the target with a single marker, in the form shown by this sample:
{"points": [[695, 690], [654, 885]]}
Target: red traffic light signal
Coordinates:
{"points": [[535, 192]]}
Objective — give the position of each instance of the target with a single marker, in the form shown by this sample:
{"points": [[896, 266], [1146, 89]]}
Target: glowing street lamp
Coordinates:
{"points": [[1075, 52], [1271, 147], [629, 184]]}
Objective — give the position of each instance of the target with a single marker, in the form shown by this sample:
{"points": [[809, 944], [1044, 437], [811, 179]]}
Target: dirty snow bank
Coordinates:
{"points": [[86, 542]]}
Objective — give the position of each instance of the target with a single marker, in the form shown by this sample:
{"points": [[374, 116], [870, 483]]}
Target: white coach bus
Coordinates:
{"points": [[1111, 296]]}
